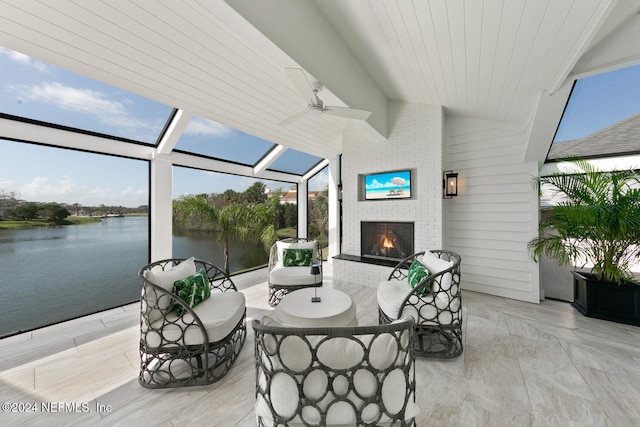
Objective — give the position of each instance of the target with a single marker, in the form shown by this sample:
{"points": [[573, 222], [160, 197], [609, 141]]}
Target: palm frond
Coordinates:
{"points": [[597, 220]]}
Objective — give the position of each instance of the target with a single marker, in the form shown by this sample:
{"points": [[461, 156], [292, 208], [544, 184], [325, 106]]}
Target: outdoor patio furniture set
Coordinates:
{"points": [[314, 365]]}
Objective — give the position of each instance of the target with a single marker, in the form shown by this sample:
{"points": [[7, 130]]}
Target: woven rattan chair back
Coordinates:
{"points": [[438, 312], [357, 376], [169, 357]]}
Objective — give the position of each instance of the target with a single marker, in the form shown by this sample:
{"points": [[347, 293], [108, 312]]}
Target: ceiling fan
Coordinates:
{"points": [[316, 107]]}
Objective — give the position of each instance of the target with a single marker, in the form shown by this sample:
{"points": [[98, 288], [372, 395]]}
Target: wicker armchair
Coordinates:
{"points": [[200, 345], [355, 376], [435, 303], [284, 279]]}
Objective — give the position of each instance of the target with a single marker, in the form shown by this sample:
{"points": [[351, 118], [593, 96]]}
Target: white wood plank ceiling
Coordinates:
{"points": [[488, 59]]}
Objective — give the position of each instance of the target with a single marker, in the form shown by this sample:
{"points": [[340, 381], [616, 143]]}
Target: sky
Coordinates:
{"points": [[600, 101], [40, 91], [193, 181], [47, 174], [94, 179], [36, 90], [387, 180]]}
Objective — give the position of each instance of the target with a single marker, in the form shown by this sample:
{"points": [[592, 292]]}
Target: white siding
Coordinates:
{"points": [[496, 212]]}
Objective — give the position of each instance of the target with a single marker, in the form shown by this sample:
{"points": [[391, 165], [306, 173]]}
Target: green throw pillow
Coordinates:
{"points": [[417, 273], [297, 257], [192, 290]]}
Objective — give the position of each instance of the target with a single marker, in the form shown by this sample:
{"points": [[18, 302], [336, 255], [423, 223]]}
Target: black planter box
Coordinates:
{"points": [[606, 300]]}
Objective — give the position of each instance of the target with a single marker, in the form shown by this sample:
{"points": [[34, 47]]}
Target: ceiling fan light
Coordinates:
{"points": [[315, 110]]}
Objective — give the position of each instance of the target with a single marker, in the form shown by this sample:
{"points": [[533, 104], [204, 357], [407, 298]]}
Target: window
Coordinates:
{"points": [[211, 139], [602, 117], [39, 91], [318, 227], [295, 162], [72, 233], [202, 239]]}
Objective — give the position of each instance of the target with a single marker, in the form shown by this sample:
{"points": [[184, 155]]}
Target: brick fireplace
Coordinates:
{"points": [[415, 142], [386, 240]]}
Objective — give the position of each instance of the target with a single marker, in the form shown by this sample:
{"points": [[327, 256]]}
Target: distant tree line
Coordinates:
{"points": [[12, 207], [286, 215], [250, 215]]}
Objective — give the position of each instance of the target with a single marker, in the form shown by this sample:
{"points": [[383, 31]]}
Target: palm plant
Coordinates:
{"points": [[241, 221], [597, 221]]}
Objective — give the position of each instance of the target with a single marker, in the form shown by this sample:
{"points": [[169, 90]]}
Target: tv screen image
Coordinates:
{"points": [[388, 185]]}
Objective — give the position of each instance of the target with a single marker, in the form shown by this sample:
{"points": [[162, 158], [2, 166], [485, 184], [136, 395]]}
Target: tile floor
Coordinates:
{"points": [[523, 365]]}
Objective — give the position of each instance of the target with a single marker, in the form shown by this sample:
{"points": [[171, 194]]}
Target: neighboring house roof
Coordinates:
{"points": [[619, 138], [292, 196]]}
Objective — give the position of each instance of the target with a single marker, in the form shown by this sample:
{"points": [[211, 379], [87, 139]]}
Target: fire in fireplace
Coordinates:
{"points": [[387, 240]]}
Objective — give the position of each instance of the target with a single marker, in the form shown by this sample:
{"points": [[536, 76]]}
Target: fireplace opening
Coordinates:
{"points": [[386, 240]]}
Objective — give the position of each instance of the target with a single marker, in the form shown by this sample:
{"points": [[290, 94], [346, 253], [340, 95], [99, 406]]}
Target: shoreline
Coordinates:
{"points": [[70, 220]]}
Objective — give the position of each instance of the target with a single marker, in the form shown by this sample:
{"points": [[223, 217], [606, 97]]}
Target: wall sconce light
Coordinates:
{"points": [[450, 185]]}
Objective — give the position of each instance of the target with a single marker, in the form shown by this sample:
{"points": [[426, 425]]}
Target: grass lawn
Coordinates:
{"points": [[285, 233], [72, 220]]}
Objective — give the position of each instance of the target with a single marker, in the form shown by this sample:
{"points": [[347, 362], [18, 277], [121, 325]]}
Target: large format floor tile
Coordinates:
{"points": [[523, 365]]}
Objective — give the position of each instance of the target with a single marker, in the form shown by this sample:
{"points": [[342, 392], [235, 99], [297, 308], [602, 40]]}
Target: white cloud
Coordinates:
{"points": [[134, 197], [375, 184], [320, 182], [70, 98], [132, 191], [200, 126], [65, 190], [6, 185], [23, 59], [109, 197], [41, 189], [85, 101]]}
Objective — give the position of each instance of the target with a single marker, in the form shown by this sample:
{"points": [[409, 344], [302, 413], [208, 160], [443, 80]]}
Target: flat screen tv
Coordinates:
{"points": [[388, 185]]}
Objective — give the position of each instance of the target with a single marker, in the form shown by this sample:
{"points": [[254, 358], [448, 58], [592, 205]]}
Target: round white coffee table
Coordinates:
{"points": [[335, 308]]}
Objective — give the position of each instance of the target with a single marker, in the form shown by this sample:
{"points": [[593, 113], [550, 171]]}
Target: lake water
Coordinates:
{"points": [[48, 275]]}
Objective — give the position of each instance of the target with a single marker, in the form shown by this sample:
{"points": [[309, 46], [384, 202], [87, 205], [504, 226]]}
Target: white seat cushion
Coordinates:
{"points": [[292, 276], [220, 313], [391, 295]]}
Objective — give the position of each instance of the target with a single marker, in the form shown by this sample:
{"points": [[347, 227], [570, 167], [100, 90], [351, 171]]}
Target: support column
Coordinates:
{"points": [[161, 208], [303, 208], [335, 201]]}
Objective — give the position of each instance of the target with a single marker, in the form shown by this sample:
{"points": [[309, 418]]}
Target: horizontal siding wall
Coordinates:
{"points": [[496, 212]]}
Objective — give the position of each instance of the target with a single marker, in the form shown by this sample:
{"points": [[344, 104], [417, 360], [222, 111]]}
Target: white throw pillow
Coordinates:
{"points": [[281, 246], [435, 265], [166, 278]]}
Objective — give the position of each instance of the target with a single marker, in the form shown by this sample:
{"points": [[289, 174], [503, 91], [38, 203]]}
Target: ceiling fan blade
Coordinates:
{"points": [[302, 84], [349, 113], [293, 118]]}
